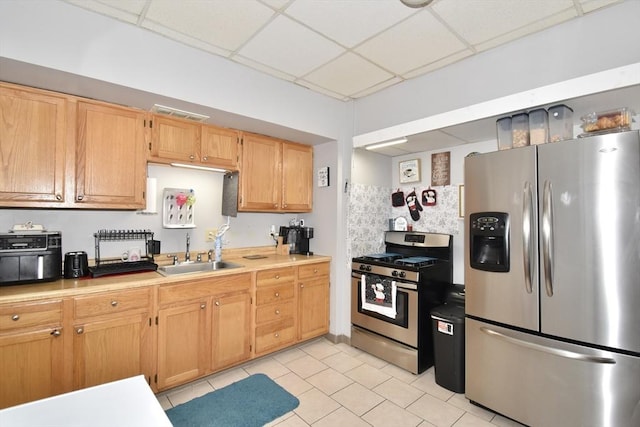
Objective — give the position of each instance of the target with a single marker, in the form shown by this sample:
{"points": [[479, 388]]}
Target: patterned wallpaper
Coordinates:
{"points": [[370, 209]]}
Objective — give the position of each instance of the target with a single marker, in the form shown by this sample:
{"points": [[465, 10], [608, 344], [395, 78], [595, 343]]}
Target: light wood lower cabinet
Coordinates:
{"points": [[203, 326], [313, 300], [182, 342], [31, 352], [112, 337], [231, 335], [171, 334], [275, 309]]}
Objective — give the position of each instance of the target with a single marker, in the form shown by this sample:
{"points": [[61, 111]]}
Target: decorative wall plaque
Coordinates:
{"points": [[441, 168]]}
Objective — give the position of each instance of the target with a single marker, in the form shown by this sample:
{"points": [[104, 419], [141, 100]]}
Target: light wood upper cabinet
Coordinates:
{"points": [[276, 175], [180, 140], [219, 147], [33, 138], [175, 139], [58, 150], [110, 159], [297, 177], [31, 352]]}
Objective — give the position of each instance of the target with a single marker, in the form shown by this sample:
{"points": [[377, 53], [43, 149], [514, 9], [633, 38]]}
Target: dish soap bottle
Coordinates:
{"points": [[218, 249]]}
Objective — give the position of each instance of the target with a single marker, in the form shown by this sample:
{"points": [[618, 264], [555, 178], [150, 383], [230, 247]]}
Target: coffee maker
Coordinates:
{"points": [[297, 237]]}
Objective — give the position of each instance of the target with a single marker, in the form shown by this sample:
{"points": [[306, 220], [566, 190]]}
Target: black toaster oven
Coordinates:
{"points": [[30, 257]]}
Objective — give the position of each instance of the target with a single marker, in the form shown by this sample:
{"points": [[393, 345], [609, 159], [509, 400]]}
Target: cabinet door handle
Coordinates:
{"points": [[15, 317], [277, 294], [114, 303], [203, 306], [56, 333], [205, 158], [218, 303], [302, 285], [79, 331], [58, 197], [277, 311], [315, 270], [277, 335], [275, 206], [191, 157], [277, 276], [80, 197], [284, 205]]}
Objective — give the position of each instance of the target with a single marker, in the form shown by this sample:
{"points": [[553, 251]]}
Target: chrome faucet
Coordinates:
{"points": [[187, 255]]}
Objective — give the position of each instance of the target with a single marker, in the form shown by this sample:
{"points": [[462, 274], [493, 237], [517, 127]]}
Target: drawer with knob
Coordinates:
{"points": [[275, 276], [276, 293], [275, 335], [28, 315], [112, 303], [313, 270], [274, 312]]}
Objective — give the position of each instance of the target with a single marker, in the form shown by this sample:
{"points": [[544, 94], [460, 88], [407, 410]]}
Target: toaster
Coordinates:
{"points": [[76, 264]]}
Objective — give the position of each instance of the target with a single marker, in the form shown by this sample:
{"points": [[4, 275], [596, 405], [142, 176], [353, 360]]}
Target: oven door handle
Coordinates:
{"points": [[399, 285]]}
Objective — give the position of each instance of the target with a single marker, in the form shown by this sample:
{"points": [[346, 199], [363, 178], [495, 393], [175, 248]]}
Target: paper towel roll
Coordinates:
{"points": [[152, 196]]}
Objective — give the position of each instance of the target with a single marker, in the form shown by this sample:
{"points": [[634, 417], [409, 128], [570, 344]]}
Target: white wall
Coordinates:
{"points": [[63, 37], [576, 48], [457, 177], [78, 226]]}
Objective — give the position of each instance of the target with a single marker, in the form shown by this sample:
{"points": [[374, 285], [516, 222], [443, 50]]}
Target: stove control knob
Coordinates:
{"points": [[368, 268], [394, 273], [402, 274]]}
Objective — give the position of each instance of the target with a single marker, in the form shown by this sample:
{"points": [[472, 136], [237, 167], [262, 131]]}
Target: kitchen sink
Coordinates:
{"points": [[196, 267]]}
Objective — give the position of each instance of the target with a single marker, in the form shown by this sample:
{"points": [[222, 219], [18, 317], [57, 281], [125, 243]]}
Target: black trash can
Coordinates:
{"points": [[448, 343]]}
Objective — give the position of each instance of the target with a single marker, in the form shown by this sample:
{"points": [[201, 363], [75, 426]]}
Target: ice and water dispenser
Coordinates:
{"points": [[489, 241]]}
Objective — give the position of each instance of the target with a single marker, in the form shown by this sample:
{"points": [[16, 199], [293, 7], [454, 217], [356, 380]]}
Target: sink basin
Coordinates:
{"points": [[195, 267]]}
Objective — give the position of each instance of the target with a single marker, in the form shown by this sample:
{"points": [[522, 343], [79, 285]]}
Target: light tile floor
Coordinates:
{"points": [[339, 385]]}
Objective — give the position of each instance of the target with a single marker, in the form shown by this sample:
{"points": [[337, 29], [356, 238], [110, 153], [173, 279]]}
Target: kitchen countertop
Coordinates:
{"points": [[71, 287], [128, 402]]}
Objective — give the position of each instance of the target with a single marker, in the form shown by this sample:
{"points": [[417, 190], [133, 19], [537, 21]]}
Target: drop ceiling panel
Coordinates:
{"points": [[289, 39], [348, 74], [128, 11], [478, 21], [290, 47], [337, 19], [220, 23], [411, 44]]}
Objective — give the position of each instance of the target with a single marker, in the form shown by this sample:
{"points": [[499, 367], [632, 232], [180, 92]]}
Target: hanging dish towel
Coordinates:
{"points": [[379, 295]]}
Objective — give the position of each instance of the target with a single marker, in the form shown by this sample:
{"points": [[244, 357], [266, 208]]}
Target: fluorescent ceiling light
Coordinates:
{"points": [[203, 168], [386, 144]]}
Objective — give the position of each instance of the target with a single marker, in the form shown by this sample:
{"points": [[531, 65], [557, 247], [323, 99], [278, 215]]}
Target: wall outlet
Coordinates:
{"points": [[210, 234]]}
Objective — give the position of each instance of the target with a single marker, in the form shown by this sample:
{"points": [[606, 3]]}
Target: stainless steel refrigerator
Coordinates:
{"points": [[552, 278]]}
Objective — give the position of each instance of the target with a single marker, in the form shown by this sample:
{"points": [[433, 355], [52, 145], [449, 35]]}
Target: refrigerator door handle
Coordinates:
{"points": [[567, 354], [547, 237], [527, 223]]}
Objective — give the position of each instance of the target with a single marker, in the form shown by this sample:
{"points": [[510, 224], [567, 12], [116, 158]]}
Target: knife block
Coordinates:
{"points": [[282, 249]]}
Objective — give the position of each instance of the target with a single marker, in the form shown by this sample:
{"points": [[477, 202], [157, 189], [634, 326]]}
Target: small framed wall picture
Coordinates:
{"points": [[409, 171], [323, 177]]}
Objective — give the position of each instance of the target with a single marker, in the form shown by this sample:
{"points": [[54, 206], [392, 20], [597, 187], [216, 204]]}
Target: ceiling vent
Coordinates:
{"points": [[174, 112]]}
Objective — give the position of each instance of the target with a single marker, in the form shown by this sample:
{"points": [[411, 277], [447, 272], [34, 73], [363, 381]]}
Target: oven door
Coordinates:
{"points": [[404, 328]]}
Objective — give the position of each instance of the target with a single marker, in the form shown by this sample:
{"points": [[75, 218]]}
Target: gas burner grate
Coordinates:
{"points": [[416, 261], [383, 257]]}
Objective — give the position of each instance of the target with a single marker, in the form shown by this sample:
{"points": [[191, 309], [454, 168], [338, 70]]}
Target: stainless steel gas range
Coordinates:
{"points": [[393, 292]]}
